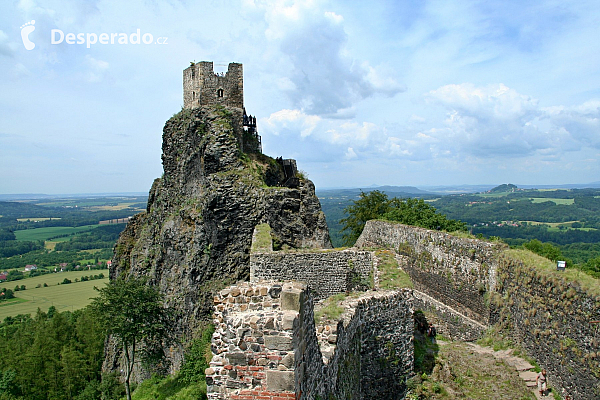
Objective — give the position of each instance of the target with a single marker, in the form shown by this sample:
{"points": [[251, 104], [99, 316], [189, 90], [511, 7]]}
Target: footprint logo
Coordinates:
{"points": [[25, 31]]}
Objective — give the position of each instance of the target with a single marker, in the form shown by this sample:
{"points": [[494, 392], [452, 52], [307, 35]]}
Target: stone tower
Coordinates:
{"points": [[202, 86]]}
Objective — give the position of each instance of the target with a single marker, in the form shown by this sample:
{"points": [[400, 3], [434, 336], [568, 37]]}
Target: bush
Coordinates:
{"points": [[197, 357]]}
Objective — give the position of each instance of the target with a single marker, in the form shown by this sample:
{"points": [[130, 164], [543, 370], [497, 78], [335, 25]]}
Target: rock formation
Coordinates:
{"points": [[196, 233]]}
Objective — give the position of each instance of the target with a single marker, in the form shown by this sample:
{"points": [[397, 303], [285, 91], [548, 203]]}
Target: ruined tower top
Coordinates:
{"points": [[202, 86]]}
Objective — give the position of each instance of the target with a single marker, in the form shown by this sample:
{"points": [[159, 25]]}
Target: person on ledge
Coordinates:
{"points": [[541, 382], [431, 332]]}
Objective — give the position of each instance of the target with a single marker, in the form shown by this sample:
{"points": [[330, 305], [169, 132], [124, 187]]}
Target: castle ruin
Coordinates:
{"points": [[196, 238], [203, 87]]}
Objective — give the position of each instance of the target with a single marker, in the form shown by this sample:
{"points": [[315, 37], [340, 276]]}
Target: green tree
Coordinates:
{"points": [[132, 312], [371, 205], [417, 212], [547, 250], [411, 211]]}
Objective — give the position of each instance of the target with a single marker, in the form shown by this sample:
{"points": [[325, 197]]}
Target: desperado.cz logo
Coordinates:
{"points": [[57, 36]]}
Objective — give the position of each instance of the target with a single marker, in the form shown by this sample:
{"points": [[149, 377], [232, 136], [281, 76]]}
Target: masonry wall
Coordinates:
{"points": [[265, 346], [201, 86], [253, 351], [552, 319], [325, 273], [449, 322], [374, 351], [455, 271]]}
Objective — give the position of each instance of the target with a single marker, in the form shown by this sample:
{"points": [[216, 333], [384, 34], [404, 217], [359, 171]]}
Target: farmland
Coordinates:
{"points": [[51, 232], [66, 297]]}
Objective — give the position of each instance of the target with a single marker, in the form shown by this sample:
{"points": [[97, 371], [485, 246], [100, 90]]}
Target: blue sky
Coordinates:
{"points": [[383, 92]]}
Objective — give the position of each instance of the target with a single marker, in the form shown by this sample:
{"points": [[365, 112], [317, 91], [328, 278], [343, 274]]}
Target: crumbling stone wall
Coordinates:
{"points": [[552, 319], [265, 345], [373, 353], [455, 271], [253, 352], [325, 272]]}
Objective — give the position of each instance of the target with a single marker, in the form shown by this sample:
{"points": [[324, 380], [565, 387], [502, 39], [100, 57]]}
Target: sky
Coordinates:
{"points": [[413, 92]]}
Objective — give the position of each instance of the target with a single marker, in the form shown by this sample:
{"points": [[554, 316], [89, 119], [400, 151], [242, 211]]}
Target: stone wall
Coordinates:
{"points": [[253, 351], [265, 345], [325, 272], [552, 319], [449, 322], [202, 87], [466, 284], [373, 353], [456, 271]]}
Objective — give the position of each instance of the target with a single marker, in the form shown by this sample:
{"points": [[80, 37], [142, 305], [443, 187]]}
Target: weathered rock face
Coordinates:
{"points": [[196, 234]]}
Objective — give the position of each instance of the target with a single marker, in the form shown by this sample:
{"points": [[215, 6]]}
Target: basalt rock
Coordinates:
{"points": [[196, 233]]}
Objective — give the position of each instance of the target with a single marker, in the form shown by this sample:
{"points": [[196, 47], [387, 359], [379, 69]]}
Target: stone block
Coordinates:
{"points": [[291, 299], [237, 358], [288, 360], [287, 322], [278, 343], [280, 380]]}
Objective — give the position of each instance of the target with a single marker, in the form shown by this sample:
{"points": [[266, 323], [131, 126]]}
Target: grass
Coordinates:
{"points": [[261, 241], [454, 371], [118, 207], [170, 388], [331, 308], [46, 233], [11, 302], [69, 297], [566, 202], [390, 274], [547, 267]]}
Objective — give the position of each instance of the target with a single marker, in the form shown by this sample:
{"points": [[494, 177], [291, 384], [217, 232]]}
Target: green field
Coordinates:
{"points": [[33, 219], [566, 202], [46, 233], [69, 297]]}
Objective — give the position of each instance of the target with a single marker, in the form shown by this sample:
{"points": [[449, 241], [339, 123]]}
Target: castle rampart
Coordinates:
{"points": [[455, 271], [467, 284]]}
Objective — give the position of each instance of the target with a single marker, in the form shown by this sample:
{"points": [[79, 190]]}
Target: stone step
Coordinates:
{"points": [[518, 363]]}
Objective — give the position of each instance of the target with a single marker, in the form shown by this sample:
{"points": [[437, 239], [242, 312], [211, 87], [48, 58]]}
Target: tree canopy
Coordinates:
{"points": [[410, 211], [132, 312]]}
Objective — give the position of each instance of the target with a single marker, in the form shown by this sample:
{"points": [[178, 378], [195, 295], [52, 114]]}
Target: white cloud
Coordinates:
{"points": [[294, 120], [6, 47], [350, 154], [581, 122], [495, 120], [325, 79], [97, 68]]}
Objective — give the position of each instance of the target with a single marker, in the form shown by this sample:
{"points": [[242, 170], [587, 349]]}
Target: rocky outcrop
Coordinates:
{"points": [[196, 233]]}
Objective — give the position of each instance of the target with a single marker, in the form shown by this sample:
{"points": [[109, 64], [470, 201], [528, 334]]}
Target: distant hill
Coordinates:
{"points": [[507, 187], [391, 191]]}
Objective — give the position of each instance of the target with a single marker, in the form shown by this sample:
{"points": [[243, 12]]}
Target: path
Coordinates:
{"points": [[523, 367]]}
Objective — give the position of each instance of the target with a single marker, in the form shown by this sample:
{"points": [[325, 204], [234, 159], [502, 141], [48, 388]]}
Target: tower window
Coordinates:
{"points": [[220, 93]]}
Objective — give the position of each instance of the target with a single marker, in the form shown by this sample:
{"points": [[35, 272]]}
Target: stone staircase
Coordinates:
{"points": [[523, 367]]}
